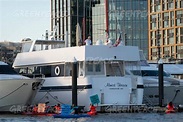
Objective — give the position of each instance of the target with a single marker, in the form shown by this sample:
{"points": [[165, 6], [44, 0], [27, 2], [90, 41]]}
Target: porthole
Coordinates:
{"points": [[57, 70]]}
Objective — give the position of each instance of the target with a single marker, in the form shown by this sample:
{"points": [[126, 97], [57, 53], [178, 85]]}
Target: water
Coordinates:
{"points": [[107, 117]]}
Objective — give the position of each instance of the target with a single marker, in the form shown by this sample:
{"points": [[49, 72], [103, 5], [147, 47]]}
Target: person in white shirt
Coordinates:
{"points": [[88, 41]]}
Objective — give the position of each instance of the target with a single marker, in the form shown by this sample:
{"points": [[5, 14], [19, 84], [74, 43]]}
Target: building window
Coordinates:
{"points": [[166, 51], [179, 52], [170, 5], [177, 5], [157, 8], [164, 5], [171, 18], [181, 4], [153, 22], [166, 20], [179, 17]]}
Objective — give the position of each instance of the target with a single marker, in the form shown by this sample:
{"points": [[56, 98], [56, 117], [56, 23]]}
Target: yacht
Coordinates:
{"points": [[16, 91], [101, 71], [173, 87]]}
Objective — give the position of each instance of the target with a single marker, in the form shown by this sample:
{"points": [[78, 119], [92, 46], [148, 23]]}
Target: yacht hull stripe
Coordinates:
{"points": [[63, 88], [140, 86]]}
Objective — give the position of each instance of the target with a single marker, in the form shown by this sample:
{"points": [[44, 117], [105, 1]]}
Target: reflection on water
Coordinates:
{"points": [[108, 117]]}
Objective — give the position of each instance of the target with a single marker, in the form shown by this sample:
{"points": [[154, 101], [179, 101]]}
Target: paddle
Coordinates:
{"points": [[176, 92]]}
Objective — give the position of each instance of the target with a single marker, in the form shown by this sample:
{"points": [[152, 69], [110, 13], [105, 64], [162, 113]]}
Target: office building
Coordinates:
{"points": [[125, 17], [165, 29]]}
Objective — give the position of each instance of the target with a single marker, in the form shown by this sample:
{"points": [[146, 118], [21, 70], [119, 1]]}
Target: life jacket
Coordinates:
{"points": [[35, 109], [57, 109], [93, 108], [92, 111], [170, 107]]}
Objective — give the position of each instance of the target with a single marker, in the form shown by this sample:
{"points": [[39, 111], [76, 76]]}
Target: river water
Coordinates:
{"points": [[104, 117]]}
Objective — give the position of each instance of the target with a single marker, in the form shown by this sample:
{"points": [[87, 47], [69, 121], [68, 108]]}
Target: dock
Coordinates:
{"points": [[130, 108]]}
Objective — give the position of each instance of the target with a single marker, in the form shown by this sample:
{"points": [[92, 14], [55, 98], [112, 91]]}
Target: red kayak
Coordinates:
{"points": [[170, 111], [38, 114], [92, 113]]}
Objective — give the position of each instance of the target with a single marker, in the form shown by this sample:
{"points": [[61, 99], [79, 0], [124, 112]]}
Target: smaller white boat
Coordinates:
{"points": [[16, 91], [173, 87]]}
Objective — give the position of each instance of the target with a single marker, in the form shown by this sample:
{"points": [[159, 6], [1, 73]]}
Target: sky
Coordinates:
{"points": [[21, 19]]}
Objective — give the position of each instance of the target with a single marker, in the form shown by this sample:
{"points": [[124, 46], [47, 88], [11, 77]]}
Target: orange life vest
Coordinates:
{"points": [[93, 108], [170, 107], [35, 109], [57, 109]]}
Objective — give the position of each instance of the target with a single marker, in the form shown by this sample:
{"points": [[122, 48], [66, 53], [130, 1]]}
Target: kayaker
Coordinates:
{"points": [[35, 108], [74, 110], [57, 108], [92, 110], [170, 106]]}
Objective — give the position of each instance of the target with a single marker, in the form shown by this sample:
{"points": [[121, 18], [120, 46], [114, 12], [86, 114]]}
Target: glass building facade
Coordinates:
{"points": [[165, 29], [65, 14], [126, 17]]}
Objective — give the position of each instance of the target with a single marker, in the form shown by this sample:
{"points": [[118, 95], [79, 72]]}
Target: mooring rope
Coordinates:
{"points": [[13, 91], [48, 92], [42, 98], [51, 96], [55, 98]]}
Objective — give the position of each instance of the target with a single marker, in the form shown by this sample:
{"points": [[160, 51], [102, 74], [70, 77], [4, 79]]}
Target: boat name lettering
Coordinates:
{"points": [[121, 85], [110, 85], [115, 85]]}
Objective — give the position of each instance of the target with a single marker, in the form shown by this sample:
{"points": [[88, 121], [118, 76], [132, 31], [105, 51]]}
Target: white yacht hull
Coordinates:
{"points": [[110, 90], [151, 95], [15, 94]]}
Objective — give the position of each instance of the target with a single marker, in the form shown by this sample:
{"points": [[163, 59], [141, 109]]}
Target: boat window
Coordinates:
{"points": [[94, 68], [81, 68], [97, 67], [47, 71], [57, 70], [6, 69], [136, 72], [46, 46], [148, 73], [114, 68], [68, 69], [153, 73], [26, 46], [26, 70], [133, 67], [89, 66]]}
